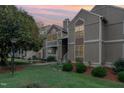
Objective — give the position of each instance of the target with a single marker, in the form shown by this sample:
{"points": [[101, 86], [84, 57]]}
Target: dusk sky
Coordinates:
{"points": [[53, 14]]}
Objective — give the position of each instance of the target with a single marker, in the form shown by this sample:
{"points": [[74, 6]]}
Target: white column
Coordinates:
{"points": [[46, 49], [100, 41]]}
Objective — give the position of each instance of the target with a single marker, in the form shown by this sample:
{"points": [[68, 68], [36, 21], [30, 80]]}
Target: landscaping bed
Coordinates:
{"points": [[8, 69], [110, 74], [19, 65], [99, 71]]}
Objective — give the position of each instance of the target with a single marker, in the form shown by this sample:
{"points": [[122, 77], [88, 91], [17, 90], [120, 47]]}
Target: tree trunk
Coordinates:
{"points": [[3, 60], [3, 57]]}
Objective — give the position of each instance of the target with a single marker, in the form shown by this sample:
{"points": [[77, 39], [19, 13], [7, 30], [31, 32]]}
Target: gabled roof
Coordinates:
{"points": [[55, 26], [44, 29], [120, 8], [61, 28], [47, 27], [98, 7], [82, 10], [91, 12]]}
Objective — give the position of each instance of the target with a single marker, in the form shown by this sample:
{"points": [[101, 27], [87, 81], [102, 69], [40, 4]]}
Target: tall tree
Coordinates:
{"points": [[15, 23]]}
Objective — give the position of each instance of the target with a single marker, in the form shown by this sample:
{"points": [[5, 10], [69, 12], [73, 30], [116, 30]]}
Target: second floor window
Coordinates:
{"points": [[79, 35], [51, 37], [79, 31]]}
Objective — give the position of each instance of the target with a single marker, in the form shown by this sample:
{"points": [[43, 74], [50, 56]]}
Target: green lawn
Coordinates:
{"points": [[49, 76]]}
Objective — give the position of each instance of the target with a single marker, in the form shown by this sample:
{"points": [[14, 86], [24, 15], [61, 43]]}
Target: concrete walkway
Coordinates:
{"points": [[47, 63]]}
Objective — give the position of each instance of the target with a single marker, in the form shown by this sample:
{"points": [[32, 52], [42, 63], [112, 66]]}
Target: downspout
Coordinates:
{"points": [[100, 40], [123, 43]]}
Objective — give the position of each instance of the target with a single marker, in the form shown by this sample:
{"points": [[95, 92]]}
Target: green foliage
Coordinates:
{"points": [[16, 23], [29, 58], [67, 67], [20, 63], [121, 76], [34, 58], [51, 59], [80, 68], [119, 65], [43, 59], [99, 72]]}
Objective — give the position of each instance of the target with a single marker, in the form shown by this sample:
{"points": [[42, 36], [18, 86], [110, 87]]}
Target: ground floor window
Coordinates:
{"points": [[79, 50], [52, 50]]}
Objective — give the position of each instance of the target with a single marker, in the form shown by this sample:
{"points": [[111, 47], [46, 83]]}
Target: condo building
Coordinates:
{"points": [[95, 37], [57, 41]]}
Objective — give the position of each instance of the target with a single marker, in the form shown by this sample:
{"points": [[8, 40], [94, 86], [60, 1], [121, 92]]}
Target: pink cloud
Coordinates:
{"points": [[54, 14], [47, 21], [66, 7], [50, 13]]}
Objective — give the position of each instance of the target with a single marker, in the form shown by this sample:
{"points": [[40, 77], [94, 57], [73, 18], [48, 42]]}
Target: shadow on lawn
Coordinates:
{"points": [[35, 85]]}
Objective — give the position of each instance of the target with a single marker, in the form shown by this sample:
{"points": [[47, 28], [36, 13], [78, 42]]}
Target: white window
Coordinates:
{"points": [[79, 33], [79, 30]]}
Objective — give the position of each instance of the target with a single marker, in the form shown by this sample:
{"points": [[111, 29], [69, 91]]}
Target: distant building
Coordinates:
{"points": [[57, 42], [43, 33]]}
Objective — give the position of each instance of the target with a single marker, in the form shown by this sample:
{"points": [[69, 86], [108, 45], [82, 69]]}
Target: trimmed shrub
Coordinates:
{"points": [[19, 63], [121, 76], [67, 67], [43, 60], [119, 65], [34, 58], [50, 59], [99, 72], [80, 67], [29, 58]]}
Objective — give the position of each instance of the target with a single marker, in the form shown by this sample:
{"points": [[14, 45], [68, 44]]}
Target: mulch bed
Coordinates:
{"points": [[110, 74], [7, 69]]}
